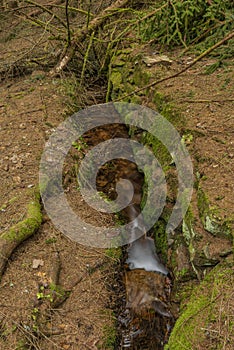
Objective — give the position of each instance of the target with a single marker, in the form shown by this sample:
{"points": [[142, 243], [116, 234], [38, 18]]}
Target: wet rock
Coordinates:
{"points": [[147, 290], [147, 319], [183, 269]]}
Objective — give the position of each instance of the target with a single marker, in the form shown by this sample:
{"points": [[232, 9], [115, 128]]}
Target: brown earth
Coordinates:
{"points": [[31, 107], [27, 108], [206, 101]]}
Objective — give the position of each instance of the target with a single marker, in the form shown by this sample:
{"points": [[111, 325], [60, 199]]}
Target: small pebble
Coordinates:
{"points": [[36, 263]]}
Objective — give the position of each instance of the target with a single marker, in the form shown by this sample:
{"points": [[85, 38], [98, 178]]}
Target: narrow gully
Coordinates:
{"points": [[145, 319]]}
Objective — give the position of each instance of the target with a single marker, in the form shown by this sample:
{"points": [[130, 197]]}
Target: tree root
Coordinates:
{"points": [[50, 297], [19, 232]]}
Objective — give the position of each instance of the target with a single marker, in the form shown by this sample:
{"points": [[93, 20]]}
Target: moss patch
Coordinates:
{"points": [[210, 218], [29, 225], [12, 237], [202, 315]]}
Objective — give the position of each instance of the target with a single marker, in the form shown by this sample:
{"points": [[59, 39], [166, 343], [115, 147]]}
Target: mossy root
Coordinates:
{"points": [[16, 234]]}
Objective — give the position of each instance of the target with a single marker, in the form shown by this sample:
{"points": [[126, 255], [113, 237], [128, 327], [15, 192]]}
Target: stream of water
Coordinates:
{"points": [[145, 319]]}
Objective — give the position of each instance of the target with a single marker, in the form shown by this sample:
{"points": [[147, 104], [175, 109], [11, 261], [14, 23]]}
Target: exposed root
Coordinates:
{"points": [[19, 232]]}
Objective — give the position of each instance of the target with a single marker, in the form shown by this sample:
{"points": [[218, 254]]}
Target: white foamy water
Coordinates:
{"points": [[142, 255]]}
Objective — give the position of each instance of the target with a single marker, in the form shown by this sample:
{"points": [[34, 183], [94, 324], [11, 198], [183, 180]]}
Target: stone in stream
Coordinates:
{"points": [[147, 318], [147, 290]]}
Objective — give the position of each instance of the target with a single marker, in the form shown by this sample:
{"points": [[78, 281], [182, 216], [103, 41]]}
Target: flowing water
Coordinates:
{"points": [[145, 319]]}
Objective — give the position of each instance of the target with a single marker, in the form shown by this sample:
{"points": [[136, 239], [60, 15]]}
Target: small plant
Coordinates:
{"points": [[109, 337], [42, 295], [51, 240], [80, 145], [50, 293], [35, 313], [114, 253]]}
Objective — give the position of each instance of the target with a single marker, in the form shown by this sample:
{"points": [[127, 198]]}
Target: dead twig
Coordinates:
{"points": [[205, 101], [31, 111], [68, 23], [85, 32], [45, 9]]}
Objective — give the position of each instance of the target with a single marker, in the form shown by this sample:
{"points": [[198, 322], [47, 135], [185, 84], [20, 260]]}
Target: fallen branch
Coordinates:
{"points": [[49, 296], [205, 101], [19, 232], [83, 33], [74, 9], [202, 55], [46, 9]]}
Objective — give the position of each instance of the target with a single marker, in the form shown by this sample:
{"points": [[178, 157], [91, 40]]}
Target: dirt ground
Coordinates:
{"points": [[27, 108], [31, 106], [206, 101]]}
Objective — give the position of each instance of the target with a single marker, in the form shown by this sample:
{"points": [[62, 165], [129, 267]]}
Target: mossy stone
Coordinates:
{"points": [[203, 309]]}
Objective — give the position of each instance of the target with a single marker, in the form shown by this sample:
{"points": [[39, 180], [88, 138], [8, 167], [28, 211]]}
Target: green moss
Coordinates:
{"points": [[158, 148], [114, 253], [160, 235], [189, 233], [203, 309], [136, 99], [167, 109], [116, 78], [28, 226], [109, 338], [183, 292], [140, 77], [161, 239], [210, 218], [125, 77], [108, 341], [183, 274]]}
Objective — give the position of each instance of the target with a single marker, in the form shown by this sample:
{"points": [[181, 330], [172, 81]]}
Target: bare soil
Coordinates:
{"points": [[29, 109], [206, 102]]}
